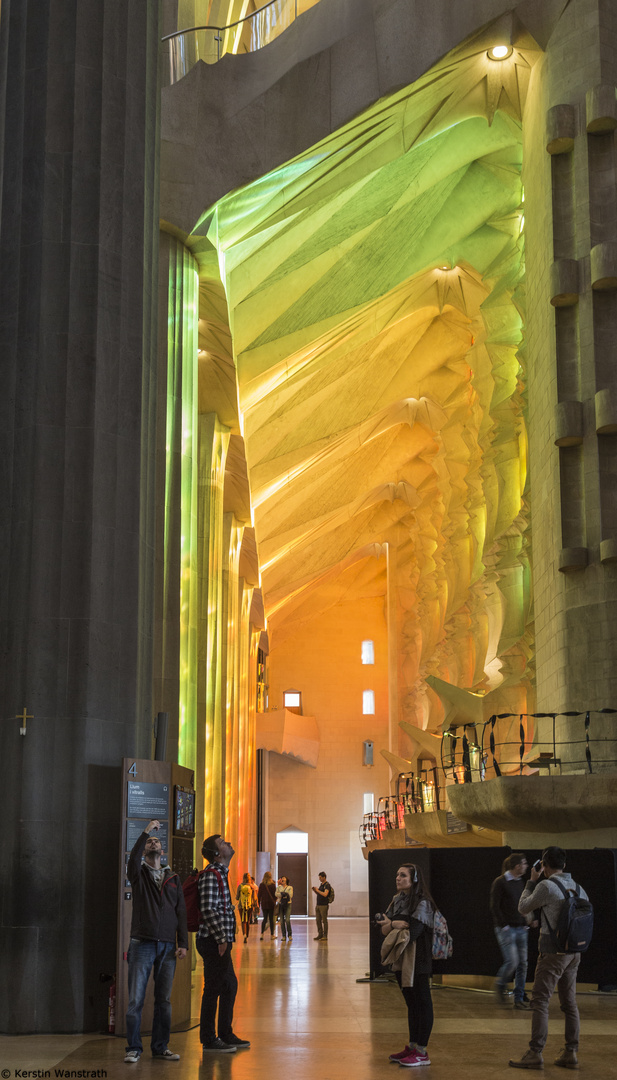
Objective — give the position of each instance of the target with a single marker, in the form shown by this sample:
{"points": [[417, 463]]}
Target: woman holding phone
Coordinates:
{"points": [[412, 909]]}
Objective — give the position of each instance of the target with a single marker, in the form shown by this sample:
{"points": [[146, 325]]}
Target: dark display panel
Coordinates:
{"points": [[184, 811]]}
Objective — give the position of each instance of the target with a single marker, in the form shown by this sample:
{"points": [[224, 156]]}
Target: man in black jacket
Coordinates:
{"points": [[511, 929], [159, 919]]}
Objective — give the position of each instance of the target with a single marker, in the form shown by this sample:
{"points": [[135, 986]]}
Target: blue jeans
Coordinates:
{"points": [[513, 942], [285, 921], [143, 957]]}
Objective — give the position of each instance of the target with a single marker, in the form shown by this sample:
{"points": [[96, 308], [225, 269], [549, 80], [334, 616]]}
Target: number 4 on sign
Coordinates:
{"points": [[23, 716], [133, 770]]}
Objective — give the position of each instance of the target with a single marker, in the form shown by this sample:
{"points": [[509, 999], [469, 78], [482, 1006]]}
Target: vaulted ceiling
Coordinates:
{"points": [[368, 297]]}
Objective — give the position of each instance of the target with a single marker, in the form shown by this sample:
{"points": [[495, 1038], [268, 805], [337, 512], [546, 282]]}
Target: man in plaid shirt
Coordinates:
{"points": [[215, 938]]}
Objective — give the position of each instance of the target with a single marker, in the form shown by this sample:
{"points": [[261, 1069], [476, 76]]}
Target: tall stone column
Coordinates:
{"points": [[570, 177], [78, 97], [213, 447], [176, 573]]}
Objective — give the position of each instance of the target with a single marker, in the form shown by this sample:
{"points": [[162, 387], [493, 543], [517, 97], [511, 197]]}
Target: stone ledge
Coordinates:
{"points": [[536, 803]]}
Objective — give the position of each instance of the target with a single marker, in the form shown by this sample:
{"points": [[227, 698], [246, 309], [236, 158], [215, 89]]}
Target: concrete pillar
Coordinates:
{"points": [[77, 428], [213, 544], [571, 224]]}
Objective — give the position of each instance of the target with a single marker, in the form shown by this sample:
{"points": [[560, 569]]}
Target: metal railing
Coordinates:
{"points": [[209, 43], [472, 753], [470, 756], [554, 746], [415, 795]]}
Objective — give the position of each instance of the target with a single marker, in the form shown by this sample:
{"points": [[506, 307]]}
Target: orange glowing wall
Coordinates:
{"points": [[322, 658]]}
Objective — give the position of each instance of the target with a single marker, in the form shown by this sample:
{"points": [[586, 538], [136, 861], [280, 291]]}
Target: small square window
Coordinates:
{"points": [[292, 699], [368, 652]]}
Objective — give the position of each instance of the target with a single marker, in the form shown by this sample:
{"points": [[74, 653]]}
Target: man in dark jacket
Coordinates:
{"points": [[511, 929], [158, 922]]}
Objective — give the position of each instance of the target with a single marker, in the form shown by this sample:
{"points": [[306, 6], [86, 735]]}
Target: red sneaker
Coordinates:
{"points": [[416, 1057], [404, 1053]]}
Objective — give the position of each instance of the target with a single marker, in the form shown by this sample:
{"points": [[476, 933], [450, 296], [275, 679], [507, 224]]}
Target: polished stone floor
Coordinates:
{"points": [[307, 1017]]}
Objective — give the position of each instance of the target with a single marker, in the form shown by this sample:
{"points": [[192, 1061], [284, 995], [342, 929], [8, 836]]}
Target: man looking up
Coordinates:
{"points": [[554, 969], [215, 938], [158, 920], [511, 929], [321, 907]]}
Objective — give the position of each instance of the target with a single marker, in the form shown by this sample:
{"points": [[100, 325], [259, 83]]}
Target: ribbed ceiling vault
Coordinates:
{"points": [[374, 290]]}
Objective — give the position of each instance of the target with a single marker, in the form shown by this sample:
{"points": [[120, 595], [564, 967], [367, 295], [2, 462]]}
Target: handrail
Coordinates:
{"points": [[186, 47], [230, 26]]}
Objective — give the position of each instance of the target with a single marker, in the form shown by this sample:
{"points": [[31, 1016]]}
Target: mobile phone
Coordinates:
{"points": [[538, 865]]}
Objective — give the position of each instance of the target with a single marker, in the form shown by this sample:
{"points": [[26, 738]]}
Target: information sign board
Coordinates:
{"points": [[147, 800], [134, 828]]}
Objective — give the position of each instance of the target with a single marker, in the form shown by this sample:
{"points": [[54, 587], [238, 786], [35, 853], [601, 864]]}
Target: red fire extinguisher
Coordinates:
{"points": [[111, 1009]]}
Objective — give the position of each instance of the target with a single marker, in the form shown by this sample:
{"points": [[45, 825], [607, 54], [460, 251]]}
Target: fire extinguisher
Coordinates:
{"points": [[111, 1009]]}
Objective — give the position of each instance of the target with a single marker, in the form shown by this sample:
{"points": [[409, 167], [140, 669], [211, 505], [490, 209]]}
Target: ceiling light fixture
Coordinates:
{"points": [[499, 52]]}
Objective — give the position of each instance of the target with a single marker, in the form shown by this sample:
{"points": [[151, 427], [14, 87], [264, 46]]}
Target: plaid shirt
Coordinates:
{"points": [[218, 918]]}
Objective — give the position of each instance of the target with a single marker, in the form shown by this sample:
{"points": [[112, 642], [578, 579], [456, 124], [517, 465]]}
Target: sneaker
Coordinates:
{"points": [[530, 1060], [217, 1046], [131, 1056], [501, 998], [167, 1055], [404, 1053], [567, 1059], [417, 1057], [235, 1040], [522, 1005]]}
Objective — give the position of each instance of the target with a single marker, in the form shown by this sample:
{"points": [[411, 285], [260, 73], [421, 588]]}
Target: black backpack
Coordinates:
{"points": [[575, 923], [284, 900]]}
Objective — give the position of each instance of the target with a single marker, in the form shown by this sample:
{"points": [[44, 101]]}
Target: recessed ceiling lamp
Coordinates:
{"points": [[499, 52]]}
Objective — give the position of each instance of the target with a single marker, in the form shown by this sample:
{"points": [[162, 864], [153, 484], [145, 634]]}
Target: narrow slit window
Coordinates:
{"points": [[368, 702], [368, 652]]}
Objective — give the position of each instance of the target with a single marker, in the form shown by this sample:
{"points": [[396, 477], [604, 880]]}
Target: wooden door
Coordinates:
{"points": [[295, 867]]}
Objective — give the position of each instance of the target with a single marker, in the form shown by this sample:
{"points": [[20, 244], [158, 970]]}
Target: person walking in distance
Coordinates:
{"points": [[553, 969], [267, 899], [158, 937], [322, 892], [244, 897], [284, 895], [215, 938], [511, 929]]}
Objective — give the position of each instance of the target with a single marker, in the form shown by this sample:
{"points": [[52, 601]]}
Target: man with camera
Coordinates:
{"points": [[554, 968], [158, 921]]}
